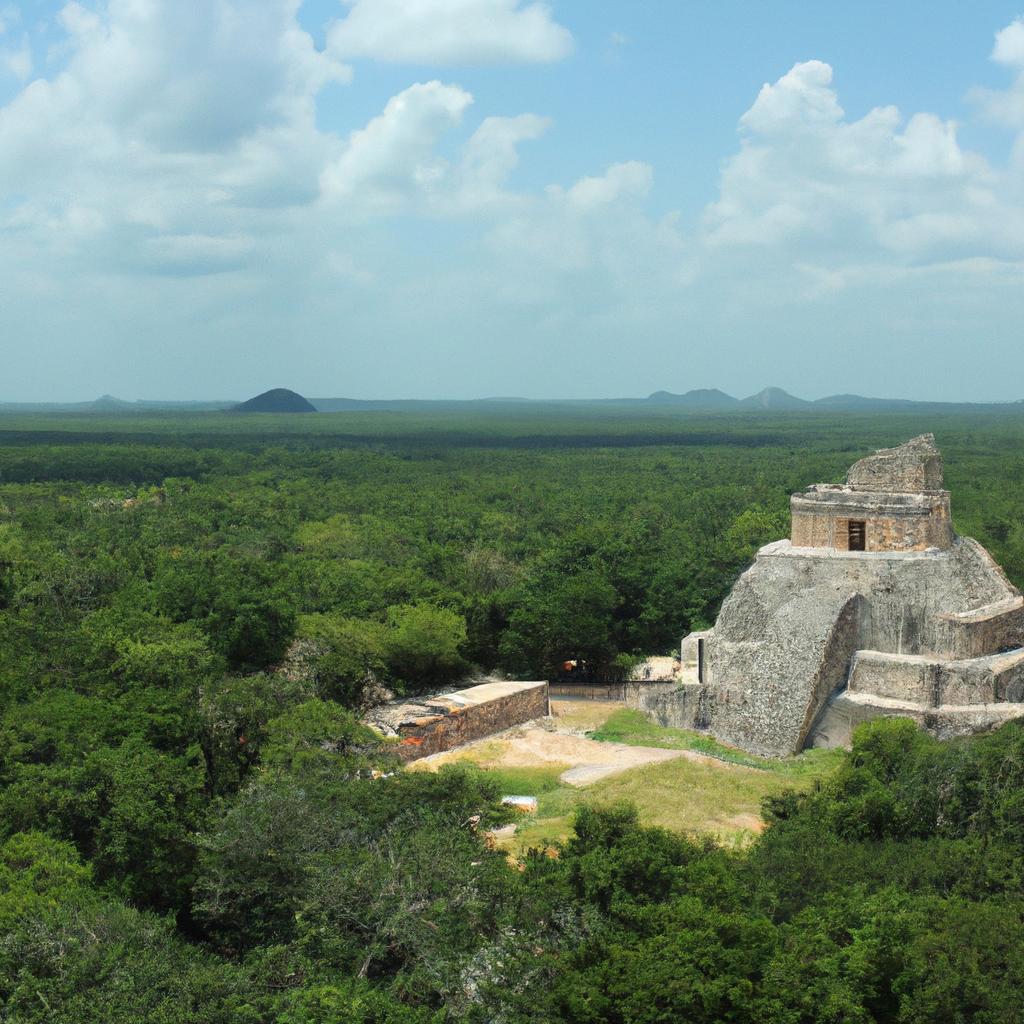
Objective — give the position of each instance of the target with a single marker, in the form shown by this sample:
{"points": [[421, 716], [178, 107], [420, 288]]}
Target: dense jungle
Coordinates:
{"points": [[195, 826]]}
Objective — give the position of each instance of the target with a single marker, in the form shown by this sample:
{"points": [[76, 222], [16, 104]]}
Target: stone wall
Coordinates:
{"points": [[892, 523], [987, 630], [672, 704], [769, 674], [453, 723], [788, 632], [932, 683], [913, 467], [848, 710]]}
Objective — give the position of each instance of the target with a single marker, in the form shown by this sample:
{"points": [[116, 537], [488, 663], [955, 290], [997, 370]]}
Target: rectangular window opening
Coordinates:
{"points": [[856, 535]]}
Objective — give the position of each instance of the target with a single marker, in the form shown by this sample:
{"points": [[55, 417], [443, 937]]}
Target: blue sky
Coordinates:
{"points": [[456, 198]]}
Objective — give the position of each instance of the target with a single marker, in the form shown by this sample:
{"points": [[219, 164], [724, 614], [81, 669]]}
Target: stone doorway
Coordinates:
{"points": [[856, 535]]}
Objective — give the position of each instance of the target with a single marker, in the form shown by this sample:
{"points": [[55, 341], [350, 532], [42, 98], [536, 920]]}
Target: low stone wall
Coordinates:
{"points": [[587, 691], [674, 705], [931, 683], [988, 630], [469, 715], [848, 710]]}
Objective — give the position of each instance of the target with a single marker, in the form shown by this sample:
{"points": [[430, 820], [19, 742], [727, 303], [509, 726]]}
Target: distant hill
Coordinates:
{"points": [[276, 400], [697, 401], [854, 402], [108, 403], [698, 398], [774, 398]]}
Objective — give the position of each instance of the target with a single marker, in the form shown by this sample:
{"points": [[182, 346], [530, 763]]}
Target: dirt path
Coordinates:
{"points": [[587, 760]]}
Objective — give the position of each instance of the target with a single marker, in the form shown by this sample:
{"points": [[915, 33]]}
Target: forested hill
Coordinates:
{"points": [[276, 400], [192, 609]]}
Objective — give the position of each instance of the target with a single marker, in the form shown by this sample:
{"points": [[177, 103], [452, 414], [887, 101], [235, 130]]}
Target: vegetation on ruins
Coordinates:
{"points": [[194, 825]]}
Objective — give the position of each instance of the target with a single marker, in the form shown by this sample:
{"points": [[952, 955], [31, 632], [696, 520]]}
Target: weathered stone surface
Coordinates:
{"points": [[893, 501], [816, 637], [780, 648], [440, 723], [675, 705], [892, 522], [911, 468], [847, 710]]}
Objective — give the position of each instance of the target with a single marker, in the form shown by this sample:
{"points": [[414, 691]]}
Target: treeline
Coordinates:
{"points": [[191, 821], [519, 560], [324, 896]]}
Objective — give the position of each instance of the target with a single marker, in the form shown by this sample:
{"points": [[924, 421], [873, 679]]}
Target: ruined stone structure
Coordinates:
{"points": [[433, 724], [873, 607]]}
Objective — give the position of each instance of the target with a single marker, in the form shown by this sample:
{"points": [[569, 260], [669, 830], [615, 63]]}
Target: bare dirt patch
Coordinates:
{"points": [[580, 716], [586, 760], [746, 822], [560, 741]]}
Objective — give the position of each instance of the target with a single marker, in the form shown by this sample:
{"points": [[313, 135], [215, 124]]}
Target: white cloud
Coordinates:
{"points": [[492, 153], [1009, 48], [808, 178], [450, 32], [394, 155], [629, 179], [1006, 106], [167, 120], [800, 101], [16, 61]]}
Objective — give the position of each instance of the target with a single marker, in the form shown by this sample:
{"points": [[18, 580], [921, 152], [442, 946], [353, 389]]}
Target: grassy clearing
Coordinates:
{"points": [[626, 725], [586, 715], [718, 799], [721, 798]]}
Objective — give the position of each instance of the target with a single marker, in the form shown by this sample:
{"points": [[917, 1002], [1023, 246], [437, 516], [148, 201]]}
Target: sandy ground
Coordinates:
{"points": [[560, 741], [587, 760]]}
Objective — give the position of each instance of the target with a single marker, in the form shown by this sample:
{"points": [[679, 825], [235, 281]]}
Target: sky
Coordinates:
{"points": [[471, 198]]}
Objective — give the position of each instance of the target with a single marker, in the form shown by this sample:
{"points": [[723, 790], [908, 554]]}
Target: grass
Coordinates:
{"points": [[586, 715], [626, 725], [721, 798], [697, 797], [526, 781]]}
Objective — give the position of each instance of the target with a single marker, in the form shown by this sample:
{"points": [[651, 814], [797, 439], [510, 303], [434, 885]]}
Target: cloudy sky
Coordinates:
{"points": [[462, 198]]}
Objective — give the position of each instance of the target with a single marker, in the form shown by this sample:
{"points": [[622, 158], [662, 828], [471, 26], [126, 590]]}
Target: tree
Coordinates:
{"points": [[424, 645], [347, 656]]}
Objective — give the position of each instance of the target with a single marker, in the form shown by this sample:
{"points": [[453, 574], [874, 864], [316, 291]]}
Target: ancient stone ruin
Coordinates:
{"points": [[429, 725], [873, 607]]}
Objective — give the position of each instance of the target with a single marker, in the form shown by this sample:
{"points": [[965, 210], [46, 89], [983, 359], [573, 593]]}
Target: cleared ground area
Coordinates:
{"points": [[580, 761], [601, 752]]}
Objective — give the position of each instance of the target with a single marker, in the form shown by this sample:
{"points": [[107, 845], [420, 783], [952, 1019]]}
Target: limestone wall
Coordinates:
{"points": [[820, 519], [789, 630], [931, 683], [767, 677], [987, 630], [453, 724], [912, 467], [848, 710], [673, 705]]}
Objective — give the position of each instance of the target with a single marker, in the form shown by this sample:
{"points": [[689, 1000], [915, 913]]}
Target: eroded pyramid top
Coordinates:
{"points": [[910, 468]]}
